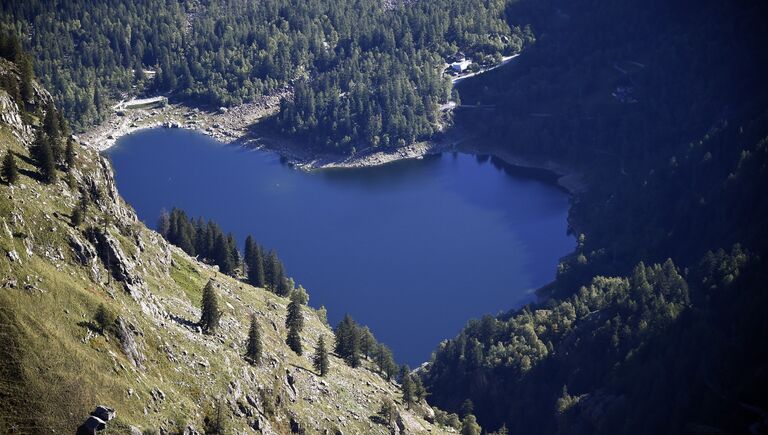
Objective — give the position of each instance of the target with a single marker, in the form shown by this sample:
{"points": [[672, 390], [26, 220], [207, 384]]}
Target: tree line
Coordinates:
{"points": [[208, 241], [367, 74]]}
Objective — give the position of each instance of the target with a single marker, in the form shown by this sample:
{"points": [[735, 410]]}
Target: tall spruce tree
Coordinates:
{"points": [[69, 154], [10, 170], [254, 261], [407, 385], [27, 74], [209, 319], [53, 131], [294, 321], [43, 155], [253, 348], [222, 254], [348, 341], [320, 360]]}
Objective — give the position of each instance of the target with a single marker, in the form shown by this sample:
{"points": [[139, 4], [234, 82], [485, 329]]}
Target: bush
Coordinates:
{"points": [[104, 318]]}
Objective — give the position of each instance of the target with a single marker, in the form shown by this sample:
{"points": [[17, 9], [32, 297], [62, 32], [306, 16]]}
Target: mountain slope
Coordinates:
{"points": [[152, 364]]}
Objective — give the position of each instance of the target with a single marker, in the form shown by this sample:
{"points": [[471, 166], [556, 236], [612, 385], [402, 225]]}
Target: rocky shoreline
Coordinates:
{"points": [[239, 125]]}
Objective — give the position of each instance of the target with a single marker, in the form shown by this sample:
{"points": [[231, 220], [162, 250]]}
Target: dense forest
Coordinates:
{"points": [[653, 323], [366, 73]]}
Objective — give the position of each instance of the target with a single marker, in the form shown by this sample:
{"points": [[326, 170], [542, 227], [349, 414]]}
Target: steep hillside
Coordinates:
{"points": [[652, 324], [152, 364]]}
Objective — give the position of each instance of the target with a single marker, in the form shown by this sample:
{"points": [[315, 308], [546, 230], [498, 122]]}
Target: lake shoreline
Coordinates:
{"points": [[241, 126]]}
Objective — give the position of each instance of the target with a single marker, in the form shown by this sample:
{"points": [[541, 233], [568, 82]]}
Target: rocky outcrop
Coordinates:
{"points": [[126, 333], [97, 421], [115, 260], [85, 255]]}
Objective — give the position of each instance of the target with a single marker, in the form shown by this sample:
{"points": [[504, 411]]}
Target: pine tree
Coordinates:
{"points": [[348, 341], [294, 341], [469, 426], [27, 75], [10, 170], [44, 158], [320, 360], [69, 154], [294, 321], [53, 131], [407, 385], [209, 319], [254, 262], [467, 408], [234, 253], [104, 318], [253, 348], [222, 254]]}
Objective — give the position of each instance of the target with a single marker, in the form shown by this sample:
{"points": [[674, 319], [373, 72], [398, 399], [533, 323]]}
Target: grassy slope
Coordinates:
{"points": [[55, 366]]}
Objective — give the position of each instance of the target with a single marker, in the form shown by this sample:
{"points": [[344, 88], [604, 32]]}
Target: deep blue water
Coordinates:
{"points": [[412, 249]]}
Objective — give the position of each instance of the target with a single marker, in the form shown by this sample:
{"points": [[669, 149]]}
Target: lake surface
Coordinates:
{"points": [[413, 249]]}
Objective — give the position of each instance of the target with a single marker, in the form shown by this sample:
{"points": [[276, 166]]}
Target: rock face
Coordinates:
{"points": [[115, 261], [128, 343]]}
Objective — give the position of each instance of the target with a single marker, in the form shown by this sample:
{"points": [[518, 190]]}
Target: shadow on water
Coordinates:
{"points": [[434, 241]]}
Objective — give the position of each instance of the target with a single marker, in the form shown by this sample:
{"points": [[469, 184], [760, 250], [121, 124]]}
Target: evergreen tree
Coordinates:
{"points": [[52, 129], [254, 261], [407, 385], [43, 155], [320, 360], [467, 408], [419, 392], [209, 319], [294, 341], [271, 269], [222, 254], [233, 252], [385, 361], [253, 348], [348, 341], [469, 426], [104, 318], [294, 321], [69, 154], [10, 170], [26, 71]]}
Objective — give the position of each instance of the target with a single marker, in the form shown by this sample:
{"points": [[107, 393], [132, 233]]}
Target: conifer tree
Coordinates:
{"points": [[69, 154], [10, 170], [320, 360], [233, 252], [294, 341], [104, 318], [53, 131], [27, 74], [253, 348], [348, 341], [44, 158], [294, 321], [407, 385], [469, 426], [222, 254], [254, 262], [209, 319]]}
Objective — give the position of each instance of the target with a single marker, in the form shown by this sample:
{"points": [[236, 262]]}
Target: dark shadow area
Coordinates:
{"points": [[183, 322]]}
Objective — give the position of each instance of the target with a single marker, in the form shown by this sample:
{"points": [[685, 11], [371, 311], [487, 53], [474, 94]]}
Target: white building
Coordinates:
{"points": [[461, 66]]}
